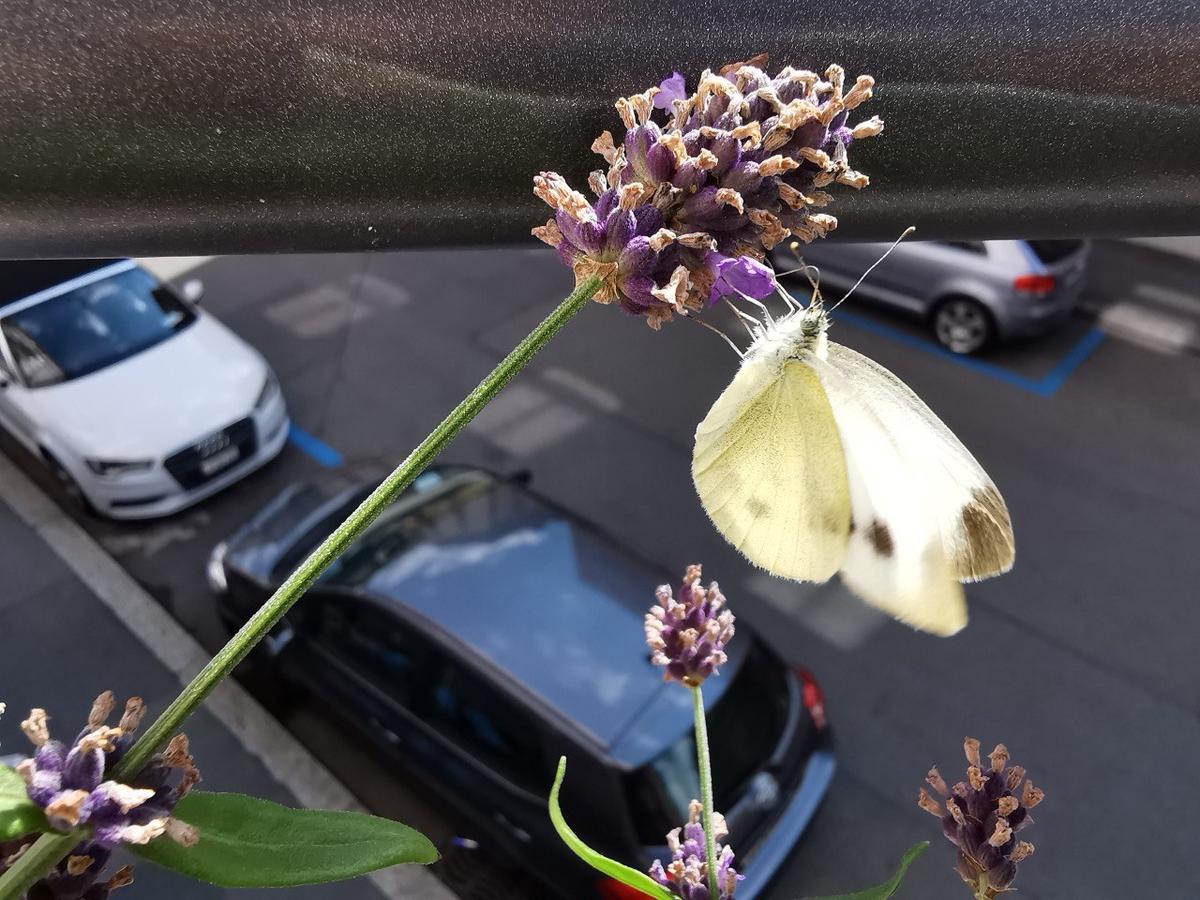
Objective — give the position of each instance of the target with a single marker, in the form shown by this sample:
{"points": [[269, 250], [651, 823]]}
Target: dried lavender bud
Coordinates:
{"points": [[686, 875], [735, 166], [983, 818], [687, 633], [68, 783]]}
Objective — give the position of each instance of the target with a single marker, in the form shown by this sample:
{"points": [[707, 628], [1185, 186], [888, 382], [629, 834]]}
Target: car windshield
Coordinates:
{"points": [[744, 728], [93, 326]]}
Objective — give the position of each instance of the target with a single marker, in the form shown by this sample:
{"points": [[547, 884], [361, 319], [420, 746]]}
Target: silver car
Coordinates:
{"points": [[969, 292]]}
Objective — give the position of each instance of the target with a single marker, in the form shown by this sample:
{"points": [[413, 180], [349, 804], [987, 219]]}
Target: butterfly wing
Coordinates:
{"points": [[769, 468], [970, 513], [926, 515]]}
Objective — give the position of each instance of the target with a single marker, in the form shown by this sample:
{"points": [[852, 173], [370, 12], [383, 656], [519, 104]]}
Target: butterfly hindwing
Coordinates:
{"points": [[769, 468]]}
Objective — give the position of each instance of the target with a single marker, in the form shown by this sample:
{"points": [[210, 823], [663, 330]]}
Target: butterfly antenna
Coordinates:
{"points": [[896, 243], [811, 272], [717, 331]]}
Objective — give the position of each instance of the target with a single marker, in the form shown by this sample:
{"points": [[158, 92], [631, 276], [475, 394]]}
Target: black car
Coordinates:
{"points": [[477, 631]]}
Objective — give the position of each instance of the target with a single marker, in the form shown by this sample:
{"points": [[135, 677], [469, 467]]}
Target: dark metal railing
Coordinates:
{"points": [[165, 126]]}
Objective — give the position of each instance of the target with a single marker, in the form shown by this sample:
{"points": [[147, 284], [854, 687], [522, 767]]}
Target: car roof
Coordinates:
{"points": [[22, 278], [537, 593]]}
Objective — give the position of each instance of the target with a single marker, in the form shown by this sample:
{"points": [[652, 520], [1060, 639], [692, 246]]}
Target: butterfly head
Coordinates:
{"points": [[791, 336]]}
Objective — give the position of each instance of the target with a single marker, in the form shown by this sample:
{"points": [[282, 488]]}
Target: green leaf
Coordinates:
{"points": [[889, 887], [248, 842], [609, 867], [18, 814]]}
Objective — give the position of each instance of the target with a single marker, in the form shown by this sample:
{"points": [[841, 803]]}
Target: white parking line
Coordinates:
{"points": [[828, 610], [1149, 328], [166, 268], [252, 726]]}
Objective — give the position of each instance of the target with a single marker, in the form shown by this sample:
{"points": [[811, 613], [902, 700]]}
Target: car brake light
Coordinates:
{"points": [[1034, 284], [611, 889], [814, 697]]}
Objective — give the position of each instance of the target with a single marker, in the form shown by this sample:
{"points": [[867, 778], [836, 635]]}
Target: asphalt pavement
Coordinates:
{"points": [[1081, 660]]}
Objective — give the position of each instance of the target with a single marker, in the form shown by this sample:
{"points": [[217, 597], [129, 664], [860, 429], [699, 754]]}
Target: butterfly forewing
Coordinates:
{"points": [[954, 492], [895, 558], [769, 468]]}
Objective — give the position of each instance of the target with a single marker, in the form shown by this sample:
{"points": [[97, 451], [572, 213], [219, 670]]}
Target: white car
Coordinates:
{"points": [[139, 402]]}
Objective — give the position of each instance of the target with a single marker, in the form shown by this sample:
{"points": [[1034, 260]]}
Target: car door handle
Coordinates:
{"points": [[515, 830], [386, 733]]}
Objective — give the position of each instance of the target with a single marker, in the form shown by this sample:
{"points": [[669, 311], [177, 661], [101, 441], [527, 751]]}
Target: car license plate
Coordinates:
{"points": [[219, 461]]}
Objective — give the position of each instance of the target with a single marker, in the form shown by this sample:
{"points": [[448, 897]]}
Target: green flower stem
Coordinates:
{"points": [[706, 788], [42, 856], [49, 849]]}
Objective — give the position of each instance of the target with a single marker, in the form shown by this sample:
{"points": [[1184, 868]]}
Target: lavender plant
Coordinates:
{"points": [[687, 632]]}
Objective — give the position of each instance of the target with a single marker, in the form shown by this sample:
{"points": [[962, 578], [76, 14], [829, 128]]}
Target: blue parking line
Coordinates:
{"points": [[313, 446], [1045, 386]]}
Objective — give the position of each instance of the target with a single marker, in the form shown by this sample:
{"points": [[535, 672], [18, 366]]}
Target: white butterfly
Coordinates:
{"points": [[817, 460]]}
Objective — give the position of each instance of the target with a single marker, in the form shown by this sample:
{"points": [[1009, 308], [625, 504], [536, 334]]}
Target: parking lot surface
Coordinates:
{"points": [[1082, 660]]}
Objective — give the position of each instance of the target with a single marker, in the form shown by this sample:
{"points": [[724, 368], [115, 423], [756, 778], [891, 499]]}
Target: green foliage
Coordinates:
{"points": [[248, 842], [609, 867], [889, 887], [18, 814]]}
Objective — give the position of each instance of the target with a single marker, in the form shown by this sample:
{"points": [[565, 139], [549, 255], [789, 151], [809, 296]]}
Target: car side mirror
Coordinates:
{"points": [[192, 290]]}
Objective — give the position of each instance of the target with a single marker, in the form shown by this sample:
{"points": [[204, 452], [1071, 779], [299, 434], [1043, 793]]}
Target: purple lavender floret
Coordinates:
{"points": [[69, 784], [982, 816], [686, 875], [736, 167], [687, 633]]}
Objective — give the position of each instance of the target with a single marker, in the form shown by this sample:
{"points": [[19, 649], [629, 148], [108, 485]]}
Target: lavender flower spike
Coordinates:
{"points": [[981, 817], [723, 175], [686, 875], [687, 633], [68, 783]]}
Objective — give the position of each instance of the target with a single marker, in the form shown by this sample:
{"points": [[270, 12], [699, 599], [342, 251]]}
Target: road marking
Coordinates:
{"points": [[1149, 328], [314, 447], [592, 393], [523, 420], [168, 268], [829, 610], [155, 538], [252, 726], [1046, 386], [1183, 301]]}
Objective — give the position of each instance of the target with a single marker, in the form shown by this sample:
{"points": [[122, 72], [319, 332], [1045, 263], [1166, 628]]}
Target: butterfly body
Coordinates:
{"points": [[816, 460]]}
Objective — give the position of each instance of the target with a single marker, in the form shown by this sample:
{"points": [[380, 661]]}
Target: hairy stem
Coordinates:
{"points": [[46, 852], [42, 856], [704, 766]]}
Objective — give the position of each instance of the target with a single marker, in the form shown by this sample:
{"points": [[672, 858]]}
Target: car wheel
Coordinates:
{"points": [[963, 325], [70, 487]]}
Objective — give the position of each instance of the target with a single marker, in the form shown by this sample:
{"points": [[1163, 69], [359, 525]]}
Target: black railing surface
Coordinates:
{"points": [[201, 126]]}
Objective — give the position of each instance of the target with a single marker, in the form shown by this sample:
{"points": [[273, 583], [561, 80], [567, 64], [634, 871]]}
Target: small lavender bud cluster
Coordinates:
{"points": [[982, 816], [68, 783], [687, 633], [687, 209], [686, 875]]}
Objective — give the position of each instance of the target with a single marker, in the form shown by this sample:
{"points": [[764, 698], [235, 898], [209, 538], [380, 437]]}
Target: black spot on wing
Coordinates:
{"points": [[758, 507], [880, 538]]}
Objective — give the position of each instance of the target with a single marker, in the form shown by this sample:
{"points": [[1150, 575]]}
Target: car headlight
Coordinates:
{"points": [[113, 467], [269, 389], [215, 570]]}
